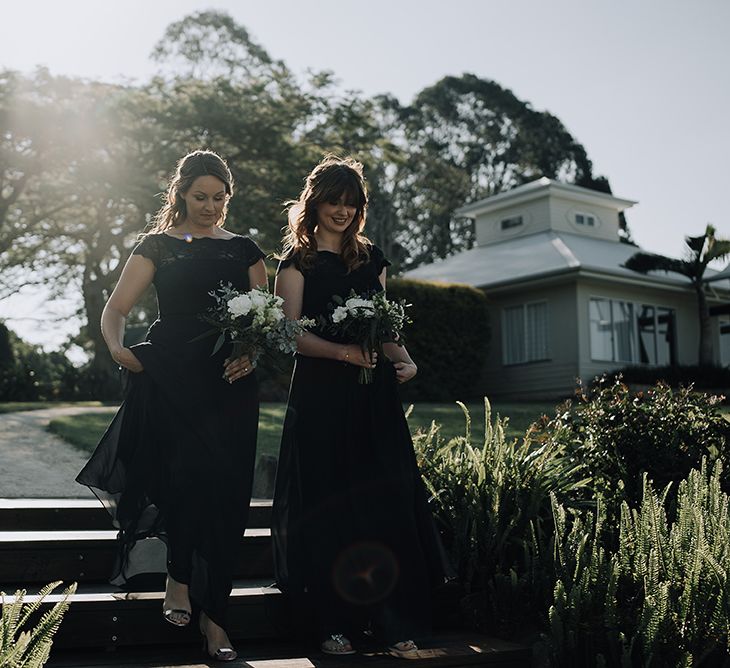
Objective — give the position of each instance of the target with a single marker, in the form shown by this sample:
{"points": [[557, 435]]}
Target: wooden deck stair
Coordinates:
{"points": [[42, 540]]}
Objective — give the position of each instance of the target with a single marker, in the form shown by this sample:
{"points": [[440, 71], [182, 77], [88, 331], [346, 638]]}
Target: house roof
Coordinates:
{"points": [[541, 188], [719, 276], [541, 255]]}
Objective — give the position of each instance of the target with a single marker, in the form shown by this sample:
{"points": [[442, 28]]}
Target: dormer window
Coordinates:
{"points": [[585, 220], [509, 223]]}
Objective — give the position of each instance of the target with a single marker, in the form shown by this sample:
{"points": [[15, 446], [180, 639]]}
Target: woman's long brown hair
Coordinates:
{"points": [[189, 168], [332, 178]]}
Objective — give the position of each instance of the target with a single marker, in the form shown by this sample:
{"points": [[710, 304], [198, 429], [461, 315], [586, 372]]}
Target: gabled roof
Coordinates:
{"points": [[541, 188], [542, 255]]}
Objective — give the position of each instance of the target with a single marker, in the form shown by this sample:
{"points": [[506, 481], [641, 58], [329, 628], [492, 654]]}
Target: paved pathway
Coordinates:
{"points": [[36, 463]]}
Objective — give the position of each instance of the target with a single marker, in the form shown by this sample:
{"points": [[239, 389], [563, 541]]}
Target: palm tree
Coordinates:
{"points": [[701, 251]]}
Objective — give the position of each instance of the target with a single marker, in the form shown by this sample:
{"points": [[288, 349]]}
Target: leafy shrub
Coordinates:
{"points": [[618, 435], [448, 339], [661, 598], [30, 648], [27, 373], [492, 500]]}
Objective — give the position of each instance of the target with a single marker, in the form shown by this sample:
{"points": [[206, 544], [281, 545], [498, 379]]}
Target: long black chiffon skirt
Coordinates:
{"points": [[175, 467], [354, 537]]}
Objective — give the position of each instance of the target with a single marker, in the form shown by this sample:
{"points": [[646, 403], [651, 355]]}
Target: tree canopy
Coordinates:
{"points": [[83, 163]]}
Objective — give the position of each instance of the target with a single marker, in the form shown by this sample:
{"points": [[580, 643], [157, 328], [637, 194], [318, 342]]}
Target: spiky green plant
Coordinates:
{"points": [[493, 501], [662, 598], [21, 648]]}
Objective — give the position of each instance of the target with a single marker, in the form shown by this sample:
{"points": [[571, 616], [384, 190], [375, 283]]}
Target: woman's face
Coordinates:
{"points": [[335, 217], [205, 201]]}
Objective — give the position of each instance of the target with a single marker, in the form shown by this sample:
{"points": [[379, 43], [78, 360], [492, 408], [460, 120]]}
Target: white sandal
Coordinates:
{"points": [[406, 649], [337, 644]]}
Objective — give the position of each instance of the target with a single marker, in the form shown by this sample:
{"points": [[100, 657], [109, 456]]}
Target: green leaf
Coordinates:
{"points": [[218, 344]]}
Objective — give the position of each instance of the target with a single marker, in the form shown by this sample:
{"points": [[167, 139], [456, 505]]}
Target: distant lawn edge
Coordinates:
{"points": [[23, 406]]}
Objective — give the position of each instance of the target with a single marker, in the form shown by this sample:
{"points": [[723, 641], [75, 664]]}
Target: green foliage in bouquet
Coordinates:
{"points": [[661, 598], [253, 321], [619, 435], [367, 320], [449, 339], [492, 500], [22, 648]]}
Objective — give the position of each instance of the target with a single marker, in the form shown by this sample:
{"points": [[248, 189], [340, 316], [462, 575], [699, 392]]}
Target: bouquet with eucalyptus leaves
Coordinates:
{"points": [[253, 321], [369, 321]]}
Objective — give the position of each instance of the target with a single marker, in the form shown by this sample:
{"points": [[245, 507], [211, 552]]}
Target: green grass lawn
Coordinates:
{"points": [[16, 406], [85, 430]]}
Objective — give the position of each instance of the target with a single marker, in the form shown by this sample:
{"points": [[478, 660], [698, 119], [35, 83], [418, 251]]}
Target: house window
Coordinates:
{"points": [[508, 223], [585, 220], [625, 332], [525, 333], [724, 342]]}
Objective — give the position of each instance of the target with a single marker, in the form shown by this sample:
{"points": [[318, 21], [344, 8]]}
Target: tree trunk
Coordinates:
{"points": [[706, 356], [103, 370]]}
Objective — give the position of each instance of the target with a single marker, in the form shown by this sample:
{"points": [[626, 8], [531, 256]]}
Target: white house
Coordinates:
{"points": [[549, 258]]}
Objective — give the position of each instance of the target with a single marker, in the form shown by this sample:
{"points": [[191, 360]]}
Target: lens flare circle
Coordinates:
{"points": [[365, 573]]}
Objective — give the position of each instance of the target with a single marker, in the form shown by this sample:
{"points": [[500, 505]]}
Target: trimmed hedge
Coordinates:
{"points": [[448, 339]]}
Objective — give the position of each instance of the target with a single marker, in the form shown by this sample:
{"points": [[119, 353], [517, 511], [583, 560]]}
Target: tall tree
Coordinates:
{"points": [[700, 252], [468, 138], [209, 44]]}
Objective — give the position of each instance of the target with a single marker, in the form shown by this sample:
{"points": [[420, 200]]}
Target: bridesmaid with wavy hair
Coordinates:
{"points": [[177, 461], [353, 534]]}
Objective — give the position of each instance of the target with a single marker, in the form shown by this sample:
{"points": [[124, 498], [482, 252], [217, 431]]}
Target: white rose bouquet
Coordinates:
{"points": [[368, 321], [253, 321]]}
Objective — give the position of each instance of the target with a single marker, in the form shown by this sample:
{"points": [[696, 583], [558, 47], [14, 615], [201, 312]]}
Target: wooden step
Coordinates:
{"points": [[30, 557], [447, 650], [103, 617], [85, 514]]}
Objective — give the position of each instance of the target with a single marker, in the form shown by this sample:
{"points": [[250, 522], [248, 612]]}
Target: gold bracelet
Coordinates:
{"points": [[347, 356]]}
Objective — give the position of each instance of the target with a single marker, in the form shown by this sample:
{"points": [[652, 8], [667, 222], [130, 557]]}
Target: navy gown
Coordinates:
{"points": [[176, 463]]}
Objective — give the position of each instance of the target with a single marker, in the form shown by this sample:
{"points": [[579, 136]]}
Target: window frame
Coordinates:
{"points": [[524, 305], [585, 215], [513, 226], [636, 309]]}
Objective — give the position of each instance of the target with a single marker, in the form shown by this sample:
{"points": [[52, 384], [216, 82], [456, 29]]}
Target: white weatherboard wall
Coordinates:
{"points": [[535, 214], [546, 379], [562, 216]]}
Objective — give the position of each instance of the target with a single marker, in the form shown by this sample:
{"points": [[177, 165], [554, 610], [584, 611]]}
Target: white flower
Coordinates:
{"points": [[259, 299], [355, 303], [274, 314], [339, 314], [239, 305]]}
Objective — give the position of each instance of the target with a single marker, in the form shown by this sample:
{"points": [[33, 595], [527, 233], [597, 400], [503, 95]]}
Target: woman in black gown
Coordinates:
{"points": [[177, 461], [351, 525]]}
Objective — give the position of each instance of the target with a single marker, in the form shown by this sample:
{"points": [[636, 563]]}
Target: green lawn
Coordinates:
{"points": [[84, 430], [16, 406]]}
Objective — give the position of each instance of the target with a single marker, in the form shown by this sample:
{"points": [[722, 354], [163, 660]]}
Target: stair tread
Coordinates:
{"points": [[18, 503], [100, 593], [88, 535]]}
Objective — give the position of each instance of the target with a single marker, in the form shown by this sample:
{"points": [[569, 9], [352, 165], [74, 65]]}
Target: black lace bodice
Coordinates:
{"points": [[329, 276], [186, 271]]}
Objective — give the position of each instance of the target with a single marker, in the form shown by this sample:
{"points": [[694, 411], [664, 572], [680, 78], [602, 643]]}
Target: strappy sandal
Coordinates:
{"points": [[223, 654], [177, 616], [337, 644], [406, 649]]}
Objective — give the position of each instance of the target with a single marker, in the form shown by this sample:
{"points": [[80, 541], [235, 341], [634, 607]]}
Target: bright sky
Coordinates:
{"points": [[644, 86]]}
